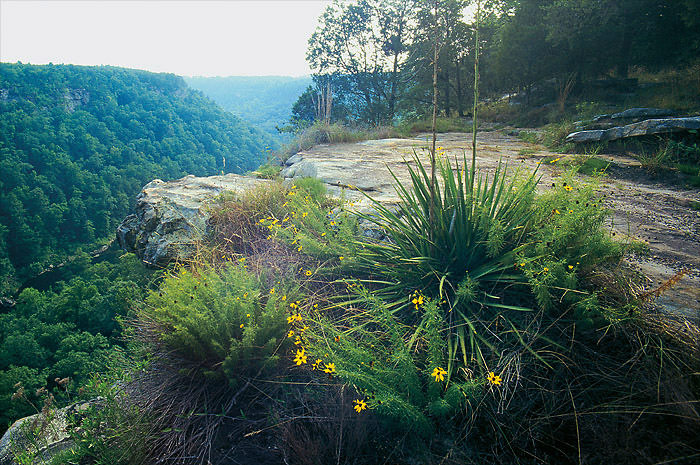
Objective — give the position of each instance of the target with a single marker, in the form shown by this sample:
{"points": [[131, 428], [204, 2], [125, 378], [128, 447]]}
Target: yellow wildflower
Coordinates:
{"points": [[290, 333], [308, 273], [241, 325], [316, 364], [300, 357], [494, 379], [360, 405], [330, 368], [568, 188], [272, 291], [439, 374]]}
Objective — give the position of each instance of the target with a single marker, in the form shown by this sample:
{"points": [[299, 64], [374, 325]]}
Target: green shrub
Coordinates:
{"points": [[569, 241], [222, 320], [314, 224], [369, 348], [269, 170]]}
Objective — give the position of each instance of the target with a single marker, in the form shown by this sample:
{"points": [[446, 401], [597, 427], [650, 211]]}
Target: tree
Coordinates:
{"points": [[360, 48]]}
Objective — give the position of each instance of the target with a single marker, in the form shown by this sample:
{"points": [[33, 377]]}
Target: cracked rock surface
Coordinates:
{"points": [[171, 217]]}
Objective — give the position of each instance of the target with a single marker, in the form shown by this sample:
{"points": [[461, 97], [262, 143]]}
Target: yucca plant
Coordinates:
{"points": [[478, 224], [464, 257]]}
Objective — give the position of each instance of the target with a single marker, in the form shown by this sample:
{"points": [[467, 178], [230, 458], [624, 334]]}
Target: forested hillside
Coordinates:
{"points": [[77, 143], [264, 101]]}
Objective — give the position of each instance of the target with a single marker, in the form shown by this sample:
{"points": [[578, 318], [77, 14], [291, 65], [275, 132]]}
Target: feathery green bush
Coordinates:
{"points": [[223, 320]]}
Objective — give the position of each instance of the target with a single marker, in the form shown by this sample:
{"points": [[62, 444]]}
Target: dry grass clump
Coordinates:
{"points": [[335, 133]]}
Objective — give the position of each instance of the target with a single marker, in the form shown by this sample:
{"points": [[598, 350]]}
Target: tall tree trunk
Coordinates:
{"points": [[476, 88], [448, 103], [433, 176], [459, 91]]}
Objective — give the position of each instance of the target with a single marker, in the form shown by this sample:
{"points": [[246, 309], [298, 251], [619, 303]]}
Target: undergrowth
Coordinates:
{"points": [[495, 326]]}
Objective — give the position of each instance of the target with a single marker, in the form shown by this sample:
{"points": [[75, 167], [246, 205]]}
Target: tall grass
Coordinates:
{"points": [[334, 133]]}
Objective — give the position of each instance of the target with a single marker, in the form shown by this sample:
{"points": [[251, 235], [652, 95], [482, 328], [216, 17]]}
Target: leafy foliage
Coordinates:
{"points": [[70, 332], [472, 232], [527, 47], [218, 320]]}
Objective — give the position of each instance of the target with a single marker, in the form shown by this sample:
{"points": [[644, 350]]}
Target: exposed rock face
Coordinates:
{"points": [[75, 98], [637, 113], [40, 435], [172, 216], [643, 128]]}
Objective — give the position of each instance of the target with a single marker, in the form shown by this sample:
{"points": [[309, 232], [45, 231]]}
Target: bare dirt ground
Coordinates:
{"points": [[662, 216]]}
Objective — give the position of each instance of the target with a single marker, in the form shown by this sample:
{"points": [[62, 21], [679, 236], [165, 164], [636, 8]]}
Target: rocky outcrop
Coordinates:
{"points": [[631, 115], [75, 98], [40, 436], [643, 128], [172, 216]]}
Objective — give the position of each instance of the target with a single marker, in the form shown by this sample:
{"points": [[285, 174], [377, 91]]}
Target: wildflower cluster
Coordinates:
{"points": [[312, 224]]}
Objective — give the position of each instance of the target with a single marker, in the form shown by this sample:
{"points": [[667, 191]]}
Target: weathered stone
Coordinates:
{"points": [[171, 217], [300, 169], [645, 113], [40, 435], [75, 98], [644, 128], [293, 159]]}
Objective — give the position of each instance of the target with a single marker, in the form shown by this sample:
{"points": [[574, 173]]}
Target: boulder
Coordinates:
{"points": [[641, 113], [300, 169], [643, 128], [40, 436], [171, 217], [293, 159]]}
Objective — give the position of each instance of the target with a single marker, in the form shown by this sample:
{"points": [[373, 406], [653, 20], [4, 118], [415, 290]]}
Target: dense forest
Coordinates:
{"points": [[76, 146], [377, 55], [263, 101], [78, 143]]}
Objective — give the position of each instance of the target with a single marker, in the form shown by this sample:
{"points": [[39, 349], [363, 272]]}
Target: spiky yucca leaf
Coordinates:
{"points": [[479, 221]]}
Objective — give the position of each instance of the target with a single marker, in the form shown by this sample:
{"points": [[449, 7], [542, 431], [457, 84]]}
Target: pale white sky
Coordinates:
{"points": [[186, 37]]}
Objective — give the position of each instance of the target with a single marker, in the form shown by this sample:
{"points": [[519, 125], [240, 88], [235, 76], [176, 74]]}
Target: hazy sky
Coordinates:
{"points": [[187, 37]]}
